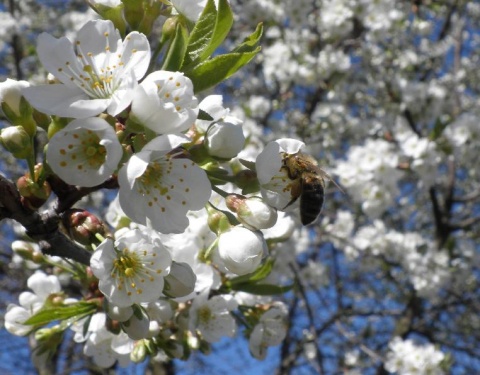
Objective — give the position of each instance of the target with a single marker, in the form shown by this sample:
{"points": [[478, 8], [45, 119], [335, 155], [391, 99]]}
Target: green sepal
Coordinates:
{"points": [[53, 313], [209, 32], [248, 164], [250, 283], [176, 52], [258, 275], [202, 115]]}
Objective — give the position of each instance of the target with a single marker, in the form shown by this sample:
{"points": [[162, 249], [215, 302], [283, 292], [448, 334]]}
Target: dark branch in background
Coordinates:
{"points": [[442, 230], [448, 21], [42, 228], [411, 122], [16, 44], [287, 355], [311, 318]]}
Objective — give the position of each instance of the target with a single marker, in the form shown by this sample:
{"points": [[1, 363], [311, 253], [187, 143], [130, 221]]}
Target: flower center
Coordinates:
{"points": [[127, 264], [85, 149], [97, 80], [127, 269], [150, 183], [204, 314]]}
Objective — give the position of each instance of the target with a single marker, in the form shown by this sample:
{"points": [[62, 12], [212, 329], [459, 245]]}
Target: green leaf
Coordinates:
{"points": [[250, 43], [209, 32], [262, 289], [258, 275], [218, 69], [50, 314], [176, 52]]}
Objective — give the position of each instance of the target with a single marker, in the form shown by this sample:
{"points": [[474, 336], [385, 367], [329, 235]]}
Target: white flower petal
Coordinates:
{"points": [[268, 162], [63, 100]]}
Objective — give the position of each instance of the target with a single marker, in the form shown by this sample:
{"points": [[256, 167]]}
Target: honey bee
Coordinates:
{"points": [[308, 185]]}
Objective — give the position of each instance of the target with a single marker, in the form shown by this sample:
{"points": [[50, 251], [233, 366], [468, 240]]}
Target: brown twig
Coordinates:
{"points": [[42, 228]]}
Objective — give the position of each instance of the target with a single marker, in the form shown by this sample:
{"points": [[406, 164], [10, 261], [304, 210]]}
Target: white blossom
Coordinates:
{"points": [[164, 102], [158, 186], [212, 318], [131, 269], [407, 358], [85, 153], [269, 331], [42, 286], [97, 72], [274, 181]]}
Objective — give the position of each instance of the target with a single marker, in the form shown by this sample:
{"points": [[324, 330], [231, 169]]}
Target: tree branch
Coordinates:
{"points": [[42, 228]]}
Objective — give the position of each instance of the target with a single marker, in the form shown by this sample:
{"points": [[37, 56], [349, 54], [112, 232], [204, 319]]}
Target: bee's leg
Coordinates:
{"points": [[295, 191], [291, 176]]}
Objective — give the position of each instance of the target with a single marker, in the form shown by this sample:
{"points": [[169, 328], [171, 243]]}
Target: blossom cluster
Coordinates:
{"points": [[202, 228], [186, 230], [407, 357]]}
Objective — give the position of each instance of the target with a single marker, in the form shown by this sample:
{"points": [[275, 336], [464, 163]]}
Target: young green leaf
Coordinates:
{"points": [[176, 52], [250, 42], [213, 71], [50, 314], [209, 32], [217, 69]]}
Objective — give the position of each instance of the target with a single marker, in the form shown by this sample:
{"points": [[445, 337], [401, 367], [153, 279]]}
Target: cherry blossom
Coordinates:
{"points": [[158, 186], [85, 153], [131, 269], [98, 71]]}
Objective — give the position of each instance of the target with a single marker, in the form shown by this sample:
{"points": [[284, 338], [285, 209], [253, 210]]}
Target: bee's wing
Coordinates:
{"points": [[326, 176]]}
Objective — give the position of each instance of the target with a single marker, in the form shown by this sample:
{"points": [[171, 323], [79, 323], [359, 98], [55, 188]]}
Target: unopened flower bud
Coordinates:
{"points": [[150, 346], [169, 27], [117, 313], [241, 250], [180, 281], [253, 212], [110, 10], [33, 194], [139, 352], [11, 93], [25, 249], [217, 220], [15, 108], [53, 335], [137, 326], [152, 10], [83, 226], [133, 13], [225, 139], [17, 141]]}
